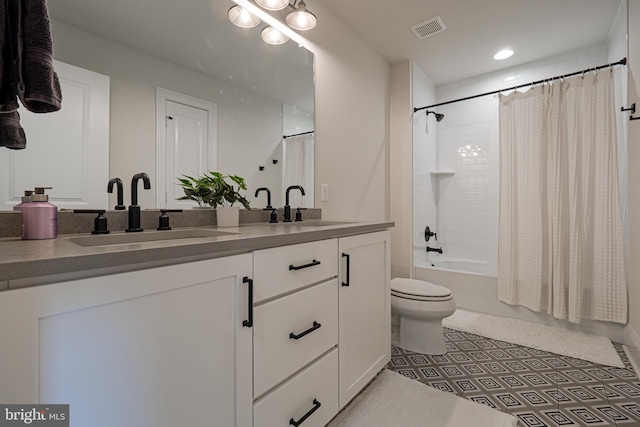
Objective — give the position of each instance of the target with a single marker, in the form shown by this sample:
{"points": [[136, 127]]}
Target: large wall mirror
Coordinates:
{"points": [[260, 93]]}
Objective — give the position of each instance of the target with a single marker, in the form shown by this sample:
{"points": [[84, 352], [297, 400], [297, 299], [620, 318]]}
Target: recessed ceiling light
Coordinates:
{"points": [[503, 54]]}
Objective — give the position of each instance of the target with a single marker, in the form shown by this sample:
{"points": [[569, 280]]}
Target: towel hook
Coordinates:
{"points": [[632, 108]]}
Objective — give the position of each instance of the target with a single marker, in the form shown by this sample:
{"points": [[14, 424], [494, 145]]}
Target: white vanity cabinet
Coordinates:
{"points": [[336, 294], [365, 310], [296, 334], [162, 347], [280, 336]]}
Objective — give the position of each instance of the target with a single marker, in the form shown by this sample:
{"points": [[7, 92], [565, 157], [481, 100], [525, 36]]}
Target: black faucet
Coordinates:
{"points": [[120, 206], [439, 250], [134, 209], [268, 196], [274, 216], [287, 208]]}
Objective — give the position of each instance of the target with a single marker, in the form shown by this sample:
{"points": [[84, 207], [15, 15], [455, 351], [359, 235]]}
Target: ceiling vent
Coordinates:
{"points": [[429, 27]]}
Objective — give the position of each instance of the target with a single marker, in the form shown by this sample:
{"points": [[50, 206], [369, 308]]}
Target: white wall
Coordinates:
{"points": [[352, 122], [242, 148], [401, 181]]}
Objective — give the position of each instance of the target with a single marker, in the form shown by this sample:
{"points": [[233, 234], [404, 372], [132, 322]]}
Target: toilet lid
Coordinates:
{"points": [[418, 289]]}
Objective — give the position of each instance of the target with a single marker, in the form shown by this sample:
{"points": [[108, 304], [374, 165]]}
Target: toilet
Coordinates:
{"points": [[420, 307]]}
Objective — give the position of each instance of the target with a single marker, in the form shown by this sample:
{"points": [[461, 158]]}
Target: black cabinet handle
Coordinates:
{"points": [[348, 268], [249, 322], [300, 267], [295, 423], [315, 326]]}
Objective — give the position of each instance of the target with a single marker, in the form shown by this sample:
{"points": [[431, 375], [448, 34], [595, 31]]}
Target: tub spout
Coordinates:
{"points": [[439, 250]]}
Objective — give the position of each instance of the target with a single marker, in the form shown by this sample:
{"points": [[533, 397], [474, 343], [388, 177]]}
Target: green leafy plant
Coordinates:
{"points": [[212, 189]]}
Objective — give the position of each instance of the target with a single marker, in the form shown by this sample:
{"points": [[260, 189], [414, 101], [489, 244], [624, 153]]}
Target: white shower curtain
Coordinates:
{"points": [[298, 168], [560, 246]]}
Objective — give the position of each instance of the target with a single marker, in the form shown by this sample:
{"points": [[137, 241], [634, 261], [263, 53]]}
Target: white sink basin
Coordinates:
{"points": [[145, 236]]}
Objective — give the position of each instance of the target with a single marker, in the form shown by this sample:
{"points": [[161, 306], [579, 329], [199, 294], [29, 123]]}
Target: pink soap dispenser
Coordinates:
{"points": [[25, 199], [39, 217]]}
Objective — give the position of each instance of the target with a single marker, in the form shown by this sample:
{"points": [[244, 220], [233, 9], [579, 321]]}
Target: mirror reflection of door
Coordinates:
{"points": [[186, 144], [67, 149]]}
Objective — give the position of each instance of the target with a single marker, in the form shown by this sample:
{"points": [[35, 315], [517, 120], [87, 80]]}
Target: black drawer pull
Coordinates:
{"points": [[295, 423], [345, 255], [249, 322], [300, 267], [315, 326]]}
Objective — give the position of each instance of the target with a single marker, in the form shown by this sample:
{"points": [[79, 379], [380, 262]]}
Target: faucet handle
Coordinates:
{"points": [[274, 216], [100, 223], [163, 221], [299, 214]]}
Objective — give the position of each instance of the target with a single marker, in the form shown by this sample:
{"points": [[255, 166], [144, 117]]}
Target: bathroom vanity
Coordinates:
{"points": [[264, 325]]}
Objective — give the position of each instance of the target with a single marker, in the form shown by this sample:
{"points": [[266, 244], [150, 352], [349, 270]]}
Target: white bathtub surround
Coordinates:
{"points": [[560, 235], [456, 264], [393, 400], [554, 340]]}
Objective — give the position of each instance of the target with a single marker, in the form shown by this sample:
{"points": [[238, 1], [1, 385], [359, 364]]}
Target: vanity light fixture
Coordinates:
{"points": [[300, 18], [242, 17], [249, 13], [273, 4], [503, 54], [272, 35]]}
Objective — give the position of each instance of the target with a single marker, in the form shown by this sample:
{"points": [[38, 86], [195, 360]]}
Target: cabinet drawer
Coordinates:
{"points": [[284, 269], [316, 386], [290, 332]]}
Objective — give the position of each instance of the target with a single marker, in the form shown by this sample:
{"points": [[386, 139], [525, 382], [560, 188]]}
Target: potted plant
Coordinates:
{"points": [[213, 190], [196, 189]]}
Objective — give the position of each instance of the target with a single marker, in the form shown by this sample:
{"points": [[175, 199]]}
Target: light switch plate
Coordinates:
{"points": [[324, 192]]}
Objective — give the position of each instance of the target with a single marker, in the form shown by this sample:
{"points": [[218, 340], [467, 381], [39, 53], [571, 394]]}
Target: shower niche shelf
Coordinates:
{"points": [[443, 172]]}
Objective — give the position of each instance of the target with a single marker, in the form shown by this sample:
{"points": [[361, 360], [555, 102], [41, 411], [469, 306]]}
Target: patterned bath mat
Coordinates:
{"points": [[554, 340]]}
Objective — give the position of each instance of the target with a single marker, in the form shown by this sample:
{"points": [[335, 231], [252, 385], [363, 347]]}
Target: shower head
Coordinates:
{"points": [[439, 116]]}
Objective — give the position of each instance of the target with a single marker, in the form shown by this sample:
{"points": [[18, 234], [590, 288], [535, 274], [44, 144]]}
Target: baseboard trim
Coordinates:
{"points": [[632, 347]]}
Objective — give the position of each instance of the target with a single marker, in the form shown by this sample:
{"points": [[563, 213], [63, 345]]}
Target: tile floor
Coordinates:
{"points": [[540, 388]]}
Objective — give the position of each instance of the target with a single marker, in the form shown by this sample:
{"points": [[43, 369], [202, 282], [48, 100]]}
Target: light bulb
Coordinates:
{"points": [[301, 18], [242, 17], [273, 4], [273, 36]]}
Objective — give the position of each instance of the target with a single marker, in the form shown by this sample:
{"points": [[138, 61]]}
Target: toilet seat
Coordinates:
{"points": [[418, 290]]}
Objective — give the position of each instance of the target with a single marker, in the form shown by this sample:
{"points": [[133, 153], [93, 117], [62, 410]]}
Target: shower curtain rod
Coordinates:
{"points": [[298, 134], [623, 61]]}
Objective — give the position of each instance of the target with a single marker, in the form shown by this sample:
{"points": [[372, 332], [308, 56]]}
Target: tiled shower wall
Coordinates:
{"points": [[456, 160]]}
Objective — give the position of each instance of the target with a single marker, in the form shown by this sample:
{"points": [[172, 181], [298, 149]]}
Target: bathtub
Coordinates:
{"points": [[478, 291], [459, 265]]}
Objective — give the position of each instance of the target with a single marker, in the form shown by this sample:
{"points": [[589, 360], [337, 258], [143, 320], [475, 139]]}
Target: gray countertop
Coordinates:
{"points": [[33, 262]]}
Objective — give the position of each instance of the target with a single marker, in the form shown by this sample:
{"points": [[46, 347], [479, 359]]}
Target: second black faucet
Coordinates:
{"points": [[287, 208], [134, 209]]}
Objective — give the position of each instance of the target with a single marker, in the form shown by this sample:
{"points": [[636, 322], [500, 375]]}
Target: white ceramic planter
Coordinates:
{"points": [[227, 216]]}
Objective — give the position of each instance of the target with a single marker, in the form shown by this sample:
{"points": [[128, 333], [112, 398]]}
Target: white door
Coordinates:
{"points": [[67, 149], [365, 310], [186, 144]]}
